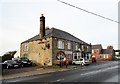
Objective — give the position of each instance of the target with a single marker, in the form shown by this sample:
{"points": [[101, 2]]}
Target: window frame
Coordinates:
{"points": [[76, 46], [61, 44], [69, 45], [25, 47]]}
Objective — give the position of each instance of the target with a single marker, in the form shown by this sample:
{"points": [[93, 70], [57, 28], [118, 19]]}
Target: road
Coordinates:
{"points": [[99, 72]]}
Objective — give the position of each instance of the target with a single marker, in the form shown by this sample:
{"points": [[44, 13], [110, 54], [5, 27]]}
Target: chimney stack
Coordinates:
{"points": [[42, 26]]}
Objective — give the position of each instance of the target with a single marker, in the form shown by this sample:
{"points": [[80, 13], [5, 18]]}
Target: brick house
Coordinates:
{"points": [[102, 54], [106, 54], [96, 50], [46, 47]]}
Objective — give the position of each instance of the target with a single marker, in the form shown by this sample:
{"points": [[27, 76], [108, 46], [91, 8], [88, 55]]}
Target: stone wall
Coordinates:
{"points": [[39, 51]]}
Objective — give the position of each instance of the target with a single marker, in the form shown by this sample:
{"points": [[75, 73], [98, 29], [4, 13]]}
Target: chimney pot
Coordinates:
{"points": [[42, 15]]}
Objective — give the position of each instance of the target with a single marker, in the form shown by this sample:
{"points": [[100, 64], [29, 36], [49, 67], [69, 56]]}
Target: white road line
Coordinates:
{"points": [[58, 80]]}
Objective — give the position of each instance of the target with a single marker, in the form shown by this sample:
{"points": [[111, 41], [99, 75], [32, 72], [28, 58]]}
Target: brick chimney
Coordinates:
{"points": [[42, 26]]}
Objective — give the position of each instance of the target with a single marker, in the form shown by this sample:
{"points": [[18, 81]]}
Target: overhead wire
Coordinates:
{"points": [[88, 11]]}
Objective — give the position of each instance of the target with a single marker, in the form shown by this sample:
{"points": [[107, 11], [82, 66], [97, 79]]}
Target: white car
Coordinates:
{"points": [[81, 61]]}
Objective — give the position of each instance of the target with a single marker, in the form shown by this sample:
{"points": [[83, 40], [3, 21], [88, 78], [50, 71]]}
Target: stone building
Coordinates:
{"points": [[46, 47]]}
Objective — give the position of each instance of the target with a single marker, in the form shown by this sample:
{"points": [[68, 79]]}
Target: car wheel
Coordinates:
{"points": [[7, 67], [82, 64]]}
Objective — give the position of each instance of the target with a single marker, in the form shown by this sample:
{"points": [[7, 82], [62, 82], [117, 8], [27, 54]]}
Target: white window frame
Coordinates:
{"points": [[104, 56], [107, 56], [75, 54], [61, 44], [25, 47], [76, 46], [69, 45], [82, 47]]}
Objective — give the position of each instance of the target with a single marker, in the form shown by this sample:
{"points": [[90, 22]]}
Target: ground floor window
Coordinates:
{"points": [[69, 57], [100, 56], [107, 56], [76, 56], [26, 55]]}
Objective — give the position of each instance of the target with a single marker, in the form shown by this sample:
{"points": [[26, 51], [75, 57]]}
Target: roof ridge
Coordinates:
{"points": [[54, 32]]}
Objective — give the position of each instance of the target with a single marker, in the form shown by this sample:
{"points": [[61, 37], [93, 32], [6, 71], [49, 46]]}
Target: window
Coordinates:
{"points": [[25, 55], [76, 46], [61, 44], [75, 55], [97, 50], [107, 56], [104, 56], [69, 57], [69, 45], [82, 47], [25, 47], [87, 48]]}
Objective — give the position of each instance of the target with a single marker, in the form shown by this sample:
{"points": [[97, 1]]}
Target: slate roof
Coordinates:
{"points": [[53, 32], [106, 51], [98, 46]]}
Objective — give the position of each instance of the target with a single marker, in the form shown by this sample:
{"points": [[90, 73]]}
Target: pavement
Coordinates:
{"points": [[23, 72]]}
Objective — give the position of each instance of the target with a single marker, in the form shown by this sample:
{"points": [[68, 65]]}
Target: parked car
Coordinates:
{"points": [[10, 64], [81, 61], [24, 62]]}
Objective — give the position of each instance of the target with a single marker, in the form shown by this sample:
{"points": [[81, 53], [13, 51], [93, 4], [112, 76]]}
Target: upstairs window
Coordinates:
{"points": [[61, 44], [82, 47], [69, 45], [88, 48], [76, 46], [25, 47]]}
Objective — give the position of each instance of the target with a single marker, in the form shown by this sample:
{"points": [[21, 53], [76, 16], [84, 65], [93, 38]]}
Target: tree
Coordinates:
{"points": [[110, 47], [8, 56]]}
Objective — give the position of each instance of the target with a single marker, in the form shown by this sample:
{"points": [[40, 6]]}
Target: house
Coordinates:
{"points": [[51, 44], [102, 54], [96, 50], [106, 54]]}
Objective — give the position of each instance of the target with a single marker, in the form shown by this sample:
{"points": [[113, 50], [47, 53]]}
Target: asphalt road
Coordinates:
{"points": [[101, 72]]}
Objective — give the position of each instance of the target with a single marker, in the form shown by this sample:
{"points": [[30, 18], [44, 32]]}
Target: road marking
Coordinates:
{"points": [[58, 80], [98, 71]]}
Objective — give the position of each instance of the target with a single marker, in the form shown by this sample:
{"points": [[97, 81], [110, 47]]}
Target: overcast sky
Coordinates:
{"points": [[20, 21]]}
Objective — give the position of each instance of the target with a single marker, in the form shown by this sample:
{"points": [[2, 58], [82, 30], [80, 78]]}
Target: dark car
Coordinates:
{"points": [[24, 62], [10, 64]]}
